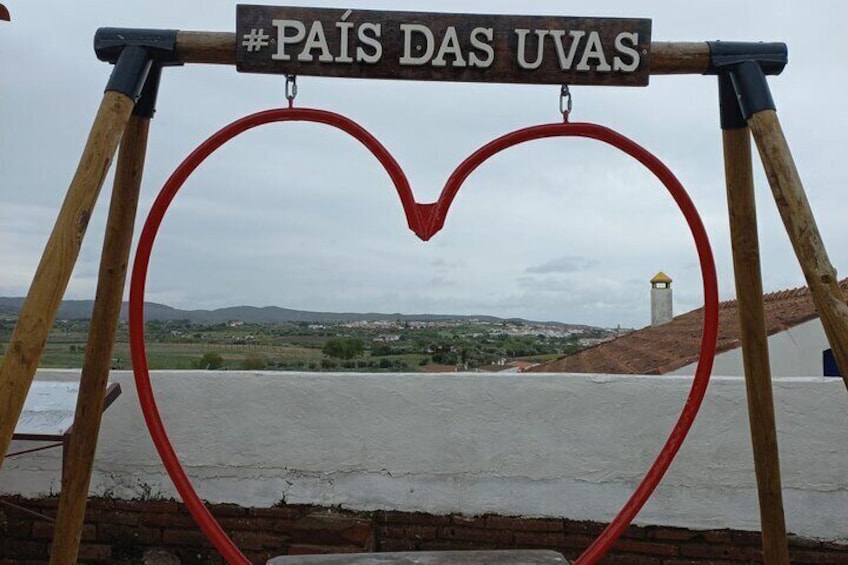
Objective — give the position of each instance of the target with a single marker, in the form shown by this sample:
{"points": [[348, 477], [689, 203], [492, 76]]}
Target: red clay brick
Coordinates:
{"points": [[145, 506], [669, 534], [305, 549], [23, 549], [494, 537], [260, 540], [360, 533], [451, 545], [421, 532], [630, 560], [184, 538], [469, 521], [333, 529], [42, 530], [396, 545], [129, 535], [245, 523], [634, 532], [588, 528], [718, 536], [578, 542], [394, 532], [414, 518], [818, 557], [164, 506], [286, 513], [524, 524], [112, 516], [13, 527], [175, 520], [645, 548], [804, 543], [697, 562], [95, 552], [228, 510], [748, 538], [261, 557], [541, 539], [834, 546], [50, 502], [729, 553]]}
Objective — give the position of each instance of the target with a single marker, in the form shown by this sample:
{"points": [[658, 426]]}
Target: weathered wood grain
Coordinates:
{"points": [[101, 341], [57, 262], [755, 352], [803, 232]]}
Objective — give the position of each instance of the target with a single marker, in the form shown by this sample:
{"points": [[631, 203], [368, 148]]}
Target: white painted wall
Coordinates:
{"points": [[535, 445], [796, 351]]}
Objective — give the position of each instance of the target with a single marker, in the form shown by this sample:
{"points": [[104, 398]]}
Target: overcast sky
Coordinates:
{"points": [[300, 216]]}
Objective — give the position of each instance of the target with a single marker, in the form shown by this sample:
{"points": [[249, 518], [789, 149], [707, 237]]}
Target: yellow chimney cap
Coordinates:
{"points": [[661, 278]]}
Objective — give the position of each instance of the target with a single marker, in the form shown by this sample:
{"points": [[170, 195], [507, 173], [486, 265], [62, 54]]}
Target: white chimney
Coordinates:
{"points": [[661, 303]]}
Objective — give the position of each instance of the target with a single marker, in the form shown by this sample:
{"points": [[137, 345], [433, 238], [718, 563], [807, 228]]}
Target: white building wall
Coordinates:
{"points": [[552, 445], [796, 351]]}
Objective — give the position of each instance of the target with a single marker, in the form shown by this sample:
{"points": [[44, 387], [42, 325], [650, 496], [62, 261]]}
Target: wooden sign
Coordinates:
{"points": [[439, 46]]}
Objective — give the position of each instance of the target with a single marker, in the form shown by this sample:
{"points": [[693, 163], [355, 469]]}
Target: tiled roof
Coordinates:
{"points": [[656, 350]]}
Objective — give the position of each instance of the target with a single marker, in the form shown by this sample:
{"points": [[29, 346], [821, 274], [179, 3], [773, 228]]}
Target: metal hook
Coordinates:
{"points": [[291, 89], [564, 102]]}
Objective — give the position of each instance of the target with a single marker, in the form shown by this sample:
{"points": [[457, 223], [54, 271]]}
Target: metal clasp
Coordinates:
{"points": [[564, 102], [291, 89]]}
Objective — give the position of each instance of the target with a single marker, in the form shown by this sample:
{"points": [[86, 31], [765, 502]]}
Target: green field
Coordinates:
{"points": [[305, 347]]}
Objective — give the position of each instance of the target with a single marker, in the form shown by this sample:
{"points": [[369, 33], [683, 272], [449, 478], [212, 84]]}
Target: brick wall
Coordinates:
{"points": [[118, 531]]}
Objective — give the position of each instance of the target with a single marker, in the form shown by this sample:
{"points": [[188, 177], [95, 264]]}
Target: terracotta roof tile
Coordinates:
{"points": [[656, 350]]}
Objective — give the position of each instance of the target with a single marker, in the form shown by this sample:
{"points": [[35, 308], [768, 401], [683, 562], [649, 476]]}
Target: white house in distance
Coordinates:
{"points": [[797, 342]]}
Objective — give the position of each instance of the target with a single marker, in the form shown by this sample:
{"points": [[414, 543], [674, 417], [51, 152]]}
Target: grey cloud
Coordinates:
{"points": [[563, 265]]}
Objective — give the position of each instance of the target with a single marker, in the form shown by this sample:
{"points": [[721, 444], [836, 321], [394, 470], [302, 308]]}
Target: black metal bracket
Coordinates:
{"points": [[161, 44], [145, 107], [742, 70], [138, 56]]}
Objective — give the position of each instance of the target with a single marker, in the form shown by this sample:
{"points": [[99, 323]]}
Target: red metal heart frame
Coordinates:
{"points": [[425, 220]]}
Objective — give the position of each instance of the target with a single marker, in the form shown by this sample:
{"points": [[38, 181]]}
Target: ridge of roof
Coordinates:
{"points": [[661, 349]]}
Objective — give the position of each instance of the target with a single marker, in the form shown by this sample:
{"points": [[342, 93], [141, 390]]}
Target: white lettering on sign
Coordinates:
{"points": [[372, 41], [594, 57], [316, 40], [565, 59], [348, 42], [425, 53], [284, 39], [450, 46], [594, 50], [419, 47], [522, 48], [291, 33], [481, 40], [628, 50], [344, 28]]}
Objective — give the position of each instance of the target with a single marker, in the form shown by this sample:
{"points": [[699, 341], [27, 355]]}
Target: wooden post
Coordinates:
{"points": [[57, 262], [803, 233], [755, 353], [101, 342]]}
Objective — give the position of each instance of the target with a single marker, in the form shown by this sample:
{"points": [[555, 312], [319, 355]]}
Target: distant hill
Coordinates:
{"points": [[81, 309]]}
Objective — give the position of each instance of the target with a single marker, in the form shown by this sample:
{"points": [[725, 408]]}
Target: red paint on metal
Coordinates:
{"points": [[425, 220]]}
